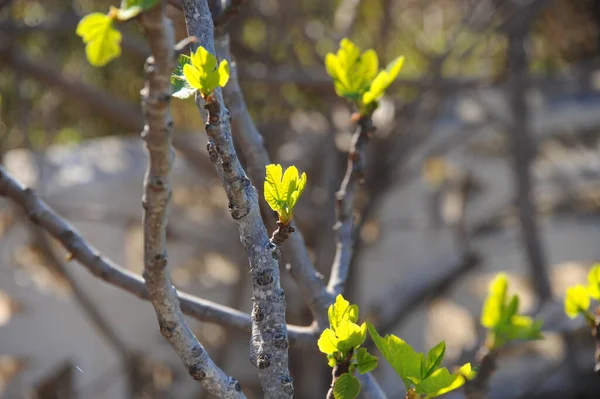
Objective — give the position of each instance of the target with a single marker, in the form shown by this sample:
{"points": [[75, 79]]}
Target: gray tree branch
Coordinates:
{"points": [[269, 342], [302, 270], [156, 96], [344, 207], [251, 144]]}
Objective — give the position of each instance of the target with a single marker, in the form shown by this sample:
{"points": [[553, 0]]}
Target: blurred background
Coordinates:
{"points": [[485, 159]]}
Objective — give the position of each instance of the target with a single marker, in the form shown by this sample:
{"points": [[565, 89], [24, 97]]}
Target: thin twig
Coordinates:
{"points": [[345, 204], [478, 387], [156, 96], [269, 342]]}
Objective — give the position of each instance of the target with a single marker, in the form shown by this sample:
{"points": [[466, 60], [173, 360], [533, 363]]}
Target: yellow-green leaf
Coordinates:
{"points": [[273, 186], [577, 300], [103, 41], [494, 305], [341, 311], [203, 60], [350, 335], [192, 75], [594, 282], [283, 190], [223, 73], [328, 342]]}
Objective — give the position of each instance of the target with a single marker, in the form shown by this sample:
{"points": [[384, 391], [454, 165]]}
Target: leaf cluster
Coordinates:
{"points": [[578, 298], [282, 190], [199, 72], [356, 75], [341, 343], [422, 375], [502, 319], [102, 40]]}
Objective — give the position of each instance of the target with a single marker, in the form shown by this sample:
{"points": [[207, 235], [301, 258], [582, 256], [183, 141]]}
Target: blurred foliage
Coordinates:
{"points": [[268, 34]]}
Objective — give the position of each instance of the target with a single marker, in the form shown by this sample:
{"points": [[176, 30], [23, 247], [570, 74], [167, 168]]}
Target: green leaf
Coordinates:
{"points": [[434, 359], [365, 361], [382, 81], [328, 342], [273, 186], [202, 73], [594, 282], [351, 71], [282, 191], [439, 383], [467, 372], [350, 335], [402, 357], [181, 88], [341, 311], [346, 386], [132, 8], [223, 73], [493, 308], [577, 300], [103, 41]]}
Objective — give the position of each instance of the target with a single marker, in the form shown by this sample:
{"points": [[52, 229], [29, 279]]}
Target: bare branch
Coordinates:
{"points": [[344, 207], [478, 387], [251, 143], [269, 342], [157, 192], [42, 215], [523, 152]]}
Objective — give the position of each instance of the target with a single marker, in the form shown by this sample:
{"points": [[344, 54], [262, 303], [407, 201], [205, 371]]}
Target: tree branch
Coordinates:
{"points": [[156, 96], [269, 342], [251, 144], [344, 207], [45, 217]]}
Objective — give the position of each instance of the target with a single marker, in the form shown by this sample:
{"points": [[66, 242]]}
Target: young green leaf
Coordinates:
{"points": [[351, 71], [328, 342], [382, 81], [103, 41], [346, 386], [434, 359], [577, 300], [283, 190], [493, 308], [181, 88], [342, 311], [365, 361], [132, 8], [350, 335], [401, 356], [203, 74], [502, 318], [594, 282]]}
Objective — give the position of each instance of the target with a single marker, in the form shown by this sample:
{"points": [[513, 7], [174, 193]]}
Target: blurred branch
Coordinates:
{"points": [[269, 342], [523, 152], [344, 206], [478, 387], [157, 192], [102, 103], [251, 143], [388, 315]]}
